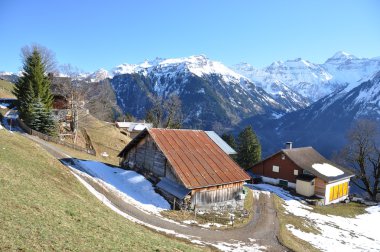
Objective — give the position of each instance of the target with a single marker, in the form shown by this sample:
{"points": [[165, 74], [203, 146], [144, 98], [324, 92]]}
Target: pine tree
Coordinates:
{"points": [[230, 140], [41, 118], [34, 98], [248, 148]]}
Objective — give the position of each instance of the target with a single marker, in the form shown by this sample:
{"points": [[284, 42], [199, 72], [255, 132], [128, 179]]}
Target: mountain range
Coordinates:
{"points": [[296, 100]]}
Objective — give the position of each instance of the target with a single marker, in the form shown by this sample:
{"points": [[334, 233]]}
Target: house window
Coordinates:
{"points": [[283, 156], [296, 172], [276, 168], [306, 172]]}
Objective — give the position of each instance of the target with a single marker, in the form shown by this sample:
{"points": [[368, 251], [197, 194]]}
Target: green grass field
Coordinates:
{"points": [[45, 208], [6, 89]]}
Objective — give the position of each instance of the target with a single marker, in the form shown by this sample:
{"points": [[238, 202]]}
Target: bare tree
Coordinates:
{"points": [[155, 114], [173, 109], [166, 114], [47, 56], [362, 154], [70, 88]]}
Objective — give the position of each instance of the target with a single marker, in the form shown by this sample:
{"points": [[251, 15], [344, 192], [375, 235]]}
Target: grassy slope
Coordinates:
{"points": [[43, 207], [349, 210], [6, 89], [105, 137]]}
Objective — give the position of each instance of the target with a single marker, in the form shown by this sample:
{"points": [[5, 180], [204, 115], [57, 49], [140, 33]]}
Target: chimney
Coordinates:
{"points": [[288, 145]]}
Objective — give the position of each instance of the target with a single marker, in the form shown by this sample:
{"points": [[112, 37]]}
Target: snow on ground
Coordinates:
{"points": [[327, 170], [223, 246], [205, 225], [133, 187], [4, 105], [336, 233]]}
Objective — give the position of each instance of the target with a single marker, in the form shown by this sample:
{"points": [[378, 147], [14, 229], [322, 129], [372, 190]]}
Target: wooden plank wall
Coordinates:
{"points": [[320, 187], [216, 194], [147, 157]]}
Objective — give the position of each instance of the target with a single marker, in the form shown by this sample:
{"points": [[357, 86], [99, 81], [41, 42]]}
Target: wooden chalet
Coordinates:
{"points": [[189, 167], [307, 171]]}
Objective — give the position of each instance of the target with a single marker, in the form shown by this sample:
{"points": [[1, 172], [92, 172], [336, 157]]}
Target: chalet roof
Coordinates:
{"points": [[197, 160], [307, 157]]}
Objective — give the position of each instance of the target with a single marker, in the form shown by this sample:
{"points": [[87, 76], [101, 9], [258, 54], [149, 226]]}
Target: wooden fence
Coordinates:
{"points": [[53, 139]]}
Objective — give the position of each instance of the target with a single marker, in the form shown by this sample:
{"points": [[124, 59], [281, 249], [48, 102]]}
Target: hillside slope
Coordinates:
{"points": [[6, 89], [44, 208]]}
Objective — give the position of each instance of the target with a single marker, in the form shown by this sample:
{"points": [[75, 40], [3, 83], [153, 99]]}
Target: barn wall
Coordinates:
{"points": [[146, 157], [217, 196], [286, 168]]}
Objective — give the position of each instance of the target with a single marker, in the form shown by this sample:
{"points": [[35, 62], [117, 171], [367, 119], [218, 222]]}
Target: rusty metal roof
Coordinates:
{"points": [[195, 157]]}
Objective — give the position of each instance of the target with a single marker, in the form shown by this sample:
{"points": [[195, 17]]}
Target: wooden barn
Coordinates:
{"points": [[307, 171], [189, 167]]}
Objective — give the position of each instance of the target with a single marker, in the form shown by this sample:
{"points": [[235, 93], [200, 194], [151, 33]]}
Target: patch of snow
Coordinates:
{"points": [[133, 187], [336, 233], [201, 91], [4, 105], [190, 222], [104, 154], [327, 170]]}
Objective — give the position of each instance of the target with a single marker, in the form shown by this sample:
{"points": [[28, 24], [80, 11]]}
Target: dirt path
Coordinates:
{"points": [[262, 230]]}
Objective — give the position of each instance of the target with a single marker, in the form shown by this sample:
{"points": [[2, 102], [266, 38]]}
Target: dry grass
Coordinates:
{"points": [[349, 210], [45, 208], [6, 89], [105, 137], [286, 237]]}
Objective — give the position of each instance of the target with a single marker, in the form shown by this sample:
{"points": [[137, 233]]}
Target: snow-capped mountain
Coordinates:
{"points": [[341, 72], [98, 75], [210, 92], [274, 86], [9, 76], [325, 123]]}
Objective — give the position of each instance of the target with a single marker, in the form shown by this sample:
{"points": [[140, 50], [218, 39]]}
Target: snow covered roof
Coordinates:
{"points": [[134, 126], [221, 143], [310, 160]]}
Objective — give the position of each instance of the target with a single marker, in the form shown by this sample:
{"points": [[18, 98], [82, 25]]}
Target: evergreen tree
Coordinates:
{"points": [[230, 140], [248, 148], [33, 91]]}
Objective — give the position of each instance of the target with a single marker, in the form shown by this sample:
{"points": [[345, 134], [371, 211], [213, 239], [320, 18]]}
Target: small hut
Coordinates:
{"points": [[188, 167]]}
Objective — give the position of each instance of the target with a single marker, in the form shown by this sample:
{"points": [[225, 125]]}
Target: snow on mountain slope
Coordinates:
{"points": [[98, 75], [199, 65], [274, 86], [350, 70], [210, 92], [324, 123], [9, 76], [341, 72]]}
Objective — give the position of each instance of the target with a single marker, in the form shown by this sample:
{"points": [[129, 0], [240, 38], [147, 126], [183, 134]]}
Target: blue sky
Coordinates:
{"points": [[102, 34]]}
